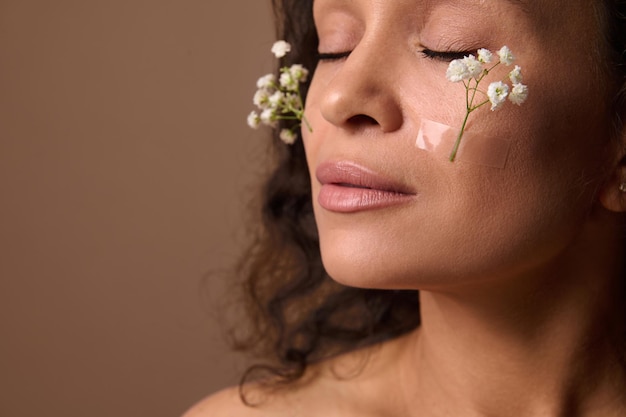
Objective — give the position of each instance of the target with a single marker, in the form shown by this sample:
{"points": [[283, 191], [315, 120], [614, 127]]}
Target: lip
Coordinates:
{"points": [[347, 187]]}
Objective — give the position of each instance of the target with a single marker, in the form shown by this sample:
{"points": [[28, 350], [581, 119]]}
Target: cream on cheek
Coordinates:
{"points": [[480, 149]]}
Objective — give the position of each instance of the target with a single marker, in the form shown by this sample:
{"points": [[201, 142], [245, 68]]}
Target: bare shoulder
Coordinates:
{"points": [[352, 384], [262, 402], [302, 397], [225, 403]]}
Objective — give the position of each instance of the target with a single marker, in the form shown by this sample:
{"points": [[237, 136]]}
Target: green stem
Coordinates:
{"points": [[307, 124], [468, 110], [469, 106], [458, 138], [302, 117]]}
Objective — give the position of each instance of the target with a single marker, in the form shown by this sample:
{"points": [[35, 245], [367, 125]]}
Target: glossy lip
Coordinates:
{"points": [[348, 187]]}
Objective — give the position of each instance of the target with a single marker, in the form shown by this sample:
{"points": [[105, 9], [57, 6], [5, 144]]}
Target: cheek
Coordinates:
{"points": [[472, 222], [561, 141], [478, 227]]}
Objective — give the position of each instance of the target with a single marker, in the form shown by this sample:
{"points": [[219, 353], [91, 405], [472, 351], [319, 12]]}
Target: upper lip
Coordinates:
{"points": [[351, 174]]}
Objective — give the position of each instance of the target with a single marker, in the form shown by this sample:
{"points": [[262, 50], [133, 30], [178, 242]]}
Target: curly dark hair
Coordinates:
{"points": [[300, 315]]}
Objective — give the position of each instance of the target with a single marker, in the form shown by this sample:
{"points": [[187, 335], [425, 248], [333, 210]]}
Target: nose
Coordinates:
{"points": [[363, 93]]}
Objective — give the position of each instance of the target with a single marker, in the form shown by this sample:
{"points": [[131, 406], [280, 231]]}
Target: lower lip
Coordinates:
{"points": [[343, 199]]}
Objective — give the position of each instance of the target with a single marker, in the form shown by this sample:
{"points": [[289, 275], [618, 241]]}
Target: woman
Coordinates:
{"points": [[519, 266]]}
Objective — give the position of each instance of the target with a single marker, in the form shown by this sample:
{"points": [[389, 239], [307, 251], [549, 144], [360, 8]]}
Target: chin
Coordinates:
{"points": [[353, 266], [376, 264]]}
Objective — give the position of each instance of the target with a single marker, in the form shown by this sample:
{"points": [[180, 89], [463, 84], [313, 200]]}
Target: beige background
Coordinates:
{"points": [[124, 160]]}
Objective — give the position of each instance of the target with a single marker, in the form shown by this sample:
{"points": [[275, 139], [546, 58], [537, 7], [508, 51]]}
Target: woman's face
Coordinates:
{"points": [[392, 215]]}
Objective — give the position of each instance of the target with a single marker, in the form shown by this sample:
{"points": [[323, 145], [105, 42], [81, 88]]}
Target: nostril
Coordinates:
{"points": [[362, 119], [356, 102]]}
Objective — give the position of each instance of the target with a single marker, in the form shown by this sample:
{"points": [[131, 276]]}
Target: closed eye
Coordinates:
{"points": [[446, 55], [436, 55], [332, 56]]}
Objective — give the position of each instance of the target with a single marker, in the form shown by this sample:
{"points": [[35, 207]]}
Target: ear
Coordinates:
{"points": [[613, 192]]}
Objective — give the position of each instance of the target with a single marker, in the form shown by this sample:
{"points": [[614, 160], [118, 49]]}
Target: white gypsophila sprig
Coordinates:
{"points": [[280, 98], [471, 71]]}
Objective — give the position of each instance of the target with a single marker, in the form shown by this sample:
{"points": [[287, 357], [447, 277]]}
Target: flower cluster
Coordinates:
{"points": [[472, 70], [280, 99]]}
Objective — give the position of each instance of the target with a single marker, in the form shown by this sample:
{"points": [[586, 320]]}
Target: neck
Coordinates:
{"points": [[545, 344]]}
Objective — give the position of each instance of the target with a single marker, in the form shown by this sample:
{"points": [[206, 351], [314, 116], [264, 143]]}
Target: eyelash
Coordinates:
{"points": [[332, 56], [446, 56]]}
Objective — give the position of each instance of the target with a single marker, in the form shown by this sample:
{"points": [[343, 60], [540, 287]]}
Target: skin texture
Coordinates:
{"points": [[519, 269], [466, 222]]}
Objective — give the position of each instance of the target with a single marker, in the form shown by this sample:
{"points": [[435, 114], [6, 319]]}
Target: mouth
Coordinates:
{"points": [[345, 184], [347, 187]]}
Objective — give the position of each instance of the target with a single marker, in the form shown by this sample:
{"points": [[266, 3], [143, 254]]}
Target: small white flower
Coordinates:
{"points": [[288, 82], [457, 71], [291, 101], [254, 121], [280, 48], [484, 55], [287, 136], [266, 81], [276, 99], [299, 73], [497, 92], [474, 67], [268, 117], [260, 98], [519, 93], [516, 75], [506, 57]]}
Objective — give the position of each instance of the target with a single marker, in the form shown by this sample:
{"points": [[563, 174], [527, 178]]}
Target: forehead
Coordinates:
{"points": [[546, 15], [524, 5]]}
